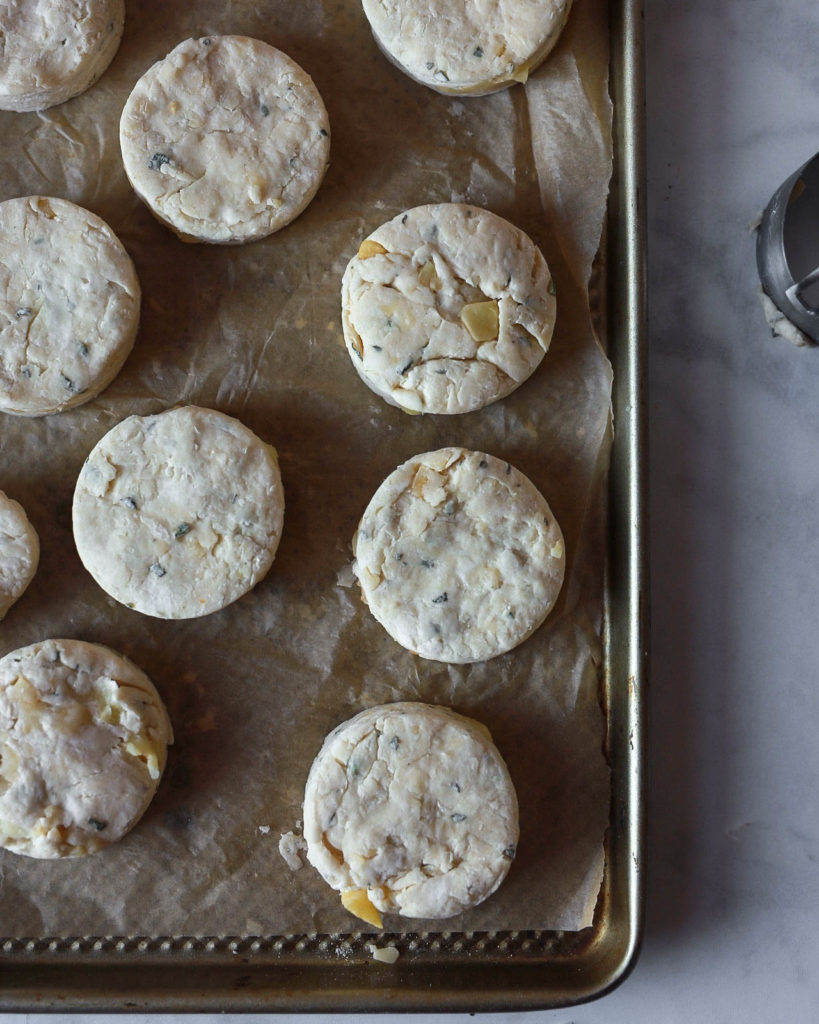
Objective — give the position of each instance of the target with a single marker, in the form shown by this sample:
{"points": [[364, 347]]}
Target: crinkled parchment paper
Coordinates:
{"points": [[255, 332]]}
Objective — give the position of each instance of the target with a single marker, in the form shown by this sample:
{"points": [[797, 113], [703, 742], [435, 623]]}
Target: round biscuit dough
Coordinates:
{"points": [[69, 305], [52, 50], [19, 552], [412, 804], [226, 139], [177, 515], [459, 556], [447, 308], [83, 738], [467, 47]]}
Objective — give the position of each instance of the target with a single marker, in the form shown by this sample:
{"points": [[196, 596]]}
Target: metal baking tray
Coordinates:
{"points": [[447, 971]]}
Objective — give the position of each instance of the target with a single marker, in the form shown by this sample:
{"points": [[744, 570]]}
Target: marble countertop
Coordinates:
{"points": [[733, 762]]}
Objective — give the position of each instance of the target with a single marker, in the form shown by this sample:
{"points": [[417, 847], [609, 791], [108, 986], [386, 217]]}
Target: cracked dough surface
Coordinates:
{"points": [[467, 46], [19, 552], [51, 50], [69, 305], [179, 514], [414, 804], [226, 139], [459, 556], [447, 308], [83, 737]]}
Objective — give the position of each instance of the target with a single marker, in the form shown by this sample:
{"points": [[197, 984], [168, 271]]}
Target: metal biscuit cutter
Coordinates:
{"points": [[787, 248]]}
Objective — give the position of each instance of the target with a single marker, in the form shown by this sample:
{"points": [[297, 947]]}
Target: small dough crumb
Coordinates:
{"points": [[291, 847], [780, 325], [383, 954]]}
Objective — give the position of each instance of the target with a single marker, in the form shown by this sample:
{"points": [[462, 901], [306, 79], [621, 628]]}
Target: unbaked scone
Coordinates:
{"points": [[83, 738], [409, 809], [52, 50], [179, 514], [19, 552], [226, 139], [69, 305], [467, 47], [459, 556], [447, 308]]}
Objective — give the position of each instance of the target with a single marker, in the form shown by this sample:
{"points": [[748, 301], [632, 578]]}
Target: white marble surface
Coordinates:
{"points": [[733, 894]]}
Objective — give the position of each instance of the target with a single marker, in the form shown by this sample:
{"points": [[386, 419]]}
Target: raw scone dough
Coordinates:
{"points": [[69, 305], [467, 46], [19, 552], [409, 809], [780, 325], [179, 514], [83, 737], [226, 139], [447, 308], [459, 556], [51, 50]]}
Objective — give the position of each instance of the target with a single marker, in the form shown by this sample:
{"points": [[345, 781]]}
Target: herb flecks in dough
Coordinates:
{"points": [[240, 129], [477, 541], [400, 838], [68, 712], [446, 310], [204, 514], [158, 160]]}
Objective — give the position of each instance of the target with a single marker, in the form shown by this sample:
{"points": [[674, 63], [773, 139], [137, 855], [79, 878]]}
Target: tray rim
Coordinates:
{"points": [[264, 974]]}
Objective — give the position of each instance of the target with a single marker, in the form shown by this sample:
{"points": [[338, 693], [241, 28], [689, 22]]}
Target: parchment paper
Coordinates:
{"points": [[255, 332]]}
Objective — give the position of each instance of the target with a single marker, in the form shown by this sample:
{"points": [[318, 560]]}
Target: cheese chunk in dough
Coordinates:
{"points": [[459, 556], [467, 47], [19, 552], [52, 50], [226, 139], [447, 308], [69, 305], [179, 514], [83, 738], [409, 809]]}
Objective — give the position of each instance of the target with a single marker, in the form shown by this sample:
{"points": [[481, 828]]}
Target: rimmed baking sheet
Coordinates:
{"points": [[497, 959]]}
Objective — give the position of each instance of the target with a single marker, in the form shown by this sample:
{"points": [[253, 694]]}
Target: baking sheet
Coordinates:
{"points": [[255, 332]]}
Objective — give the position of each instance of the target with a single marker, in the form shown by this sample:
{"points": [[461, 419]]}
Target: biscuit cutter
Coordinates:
{"points": [[787, 248]]}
